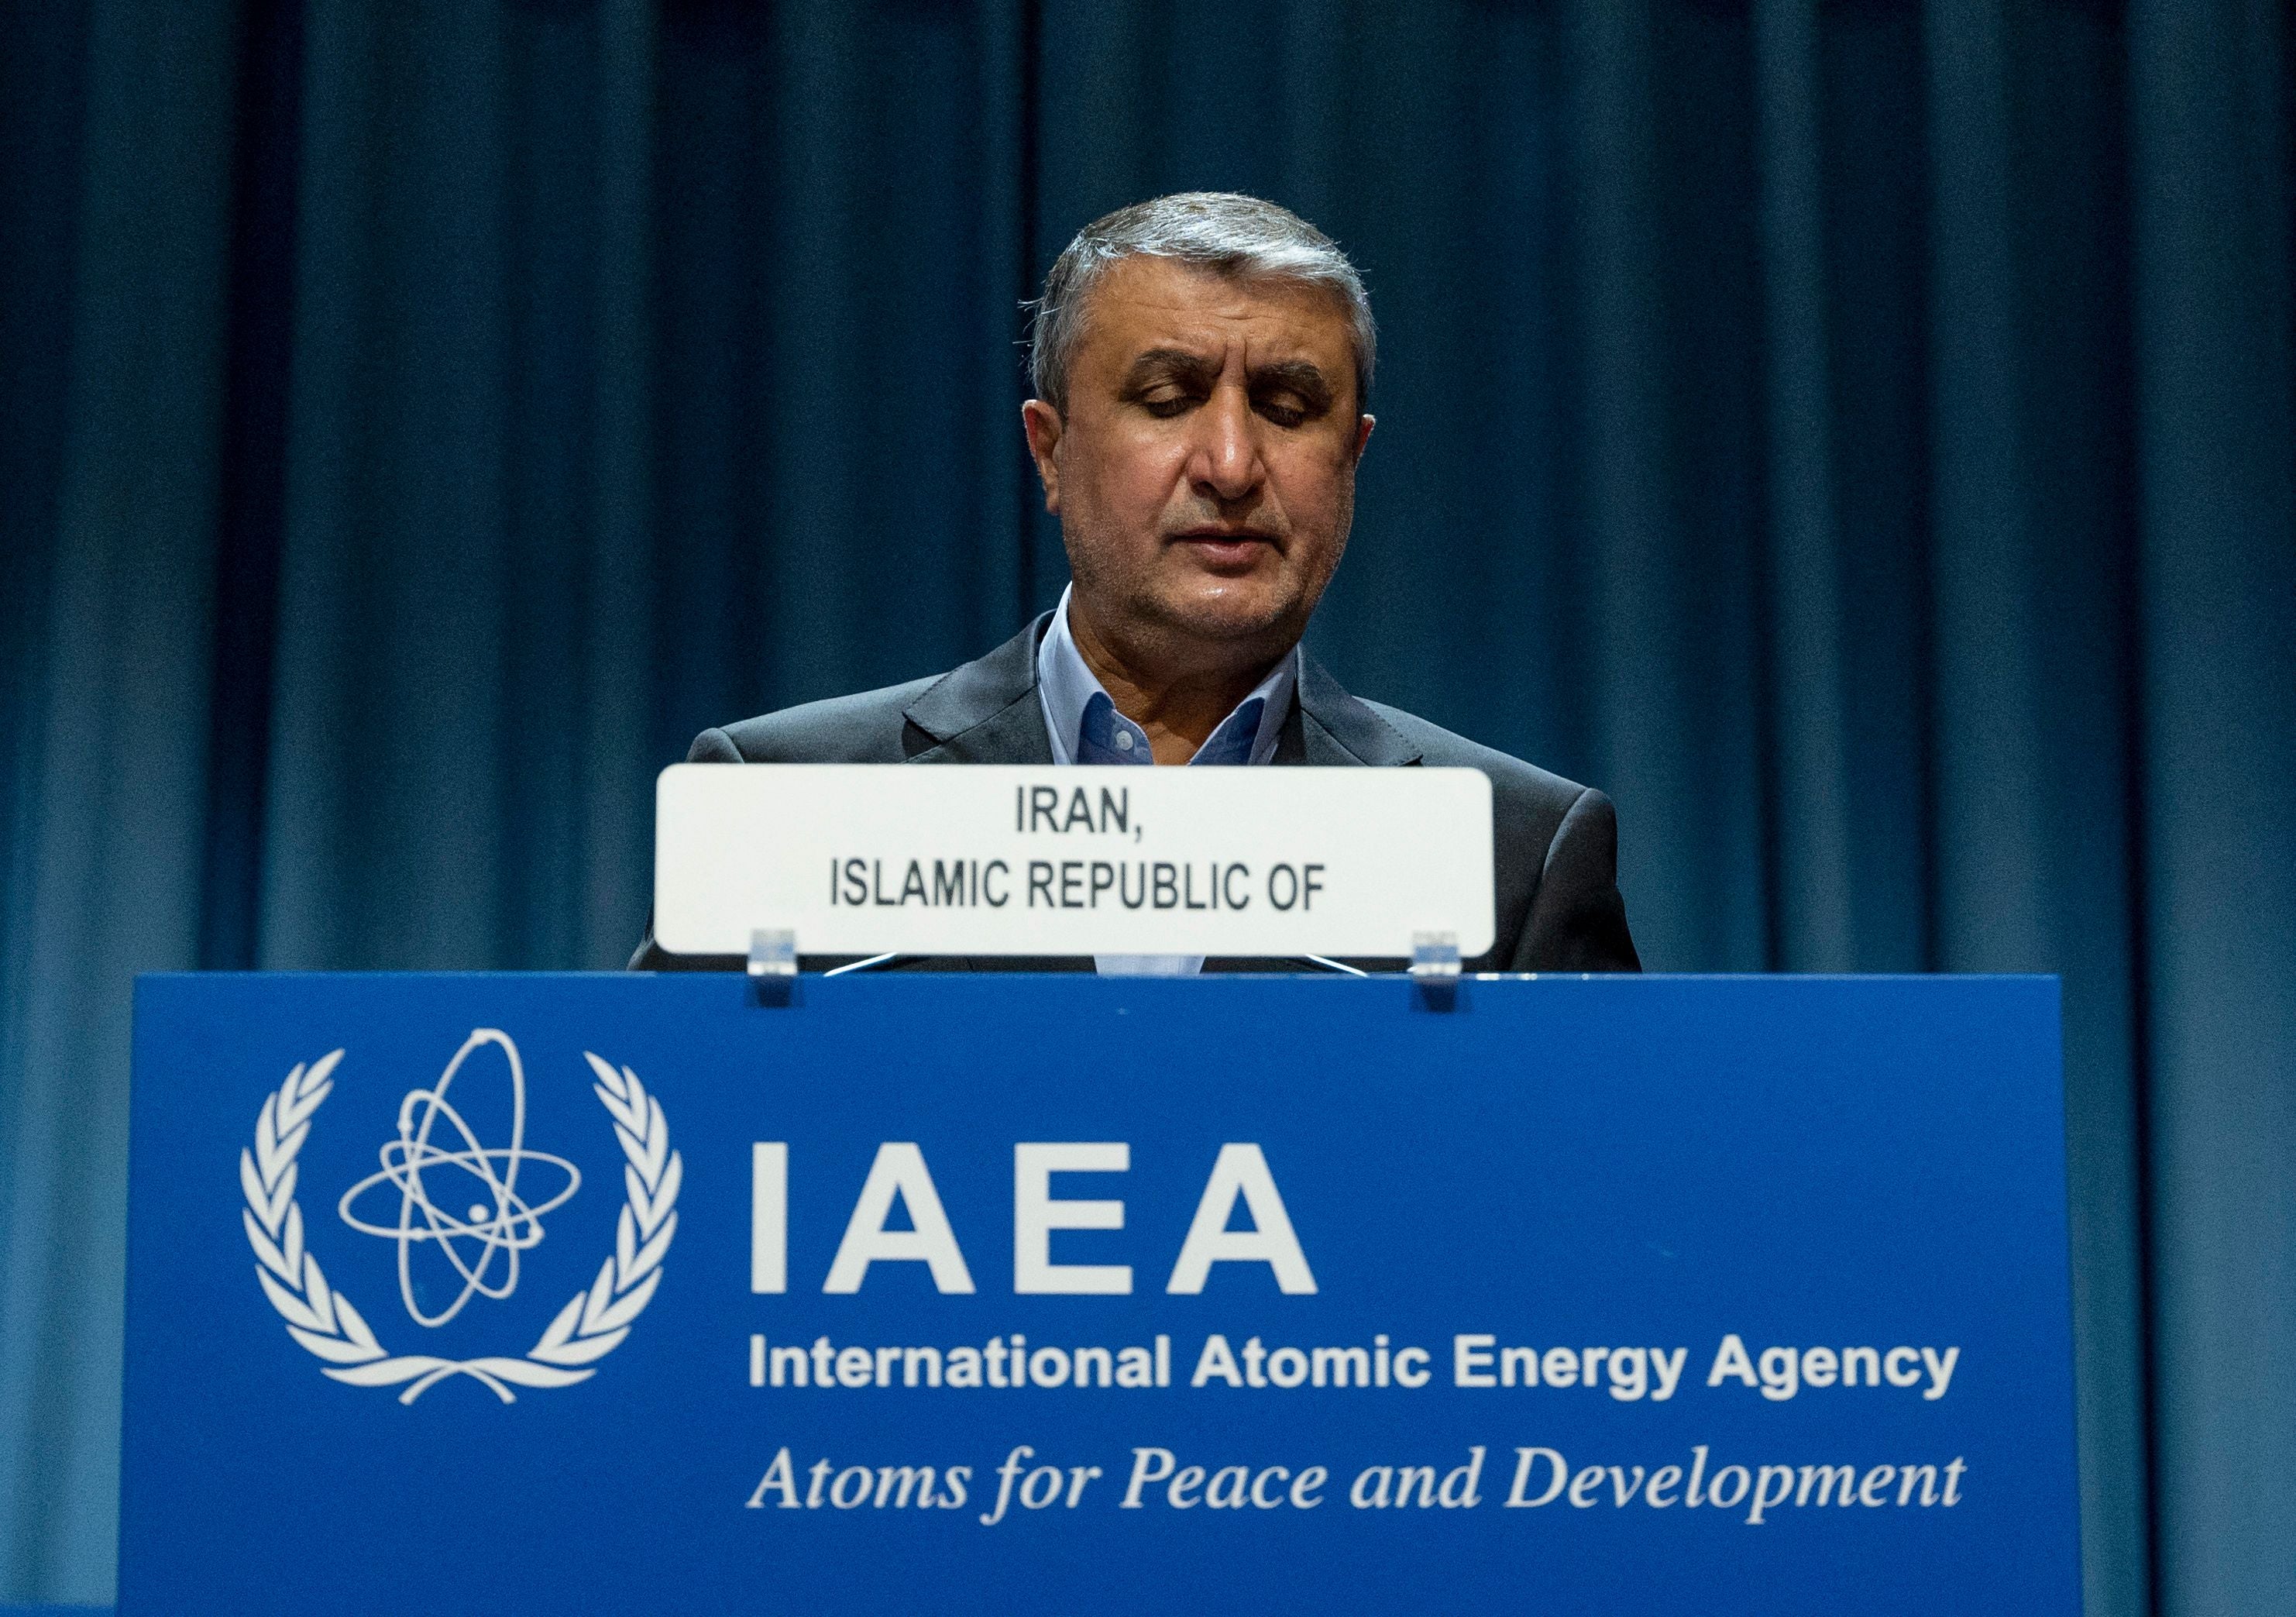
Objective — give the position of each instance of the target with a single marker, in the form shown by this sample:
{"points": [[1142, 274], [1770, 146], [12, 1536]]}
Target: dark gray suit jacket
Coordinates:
{"points": [[1555, 843]]}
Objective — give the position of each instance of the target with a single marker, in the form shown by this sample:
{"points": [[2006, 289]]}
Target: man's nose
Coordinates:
{"points": [[1226, 462]]}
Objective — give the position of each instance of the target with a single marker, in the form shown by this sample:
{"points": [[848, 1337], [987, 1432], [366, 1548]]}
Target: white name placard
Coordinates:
{"points": [[988, 859]]}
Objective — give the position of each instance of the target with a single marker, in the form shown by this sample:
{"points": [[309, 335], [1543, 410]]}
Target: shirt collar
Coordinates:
{"points": [[1068, 687]]}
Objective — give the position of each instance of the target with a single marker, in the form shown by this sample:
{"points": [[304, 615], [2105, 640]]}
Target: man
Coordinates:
{"points": [[1201, 363]]}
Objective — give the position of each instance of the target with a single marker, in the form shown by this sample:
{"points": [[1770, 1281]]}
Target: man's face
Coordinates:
{"points": [[1205, 470]]}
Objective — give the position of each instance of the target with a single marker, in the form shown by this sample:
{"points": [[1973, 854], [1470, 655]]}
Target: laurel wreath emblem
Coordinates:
{"points": [[590, 1327]]}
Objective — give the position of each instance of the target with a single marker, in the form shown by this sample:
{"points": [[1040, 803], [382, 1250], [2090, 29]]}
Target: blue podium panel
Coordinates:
{"points": [[559, 1294]]}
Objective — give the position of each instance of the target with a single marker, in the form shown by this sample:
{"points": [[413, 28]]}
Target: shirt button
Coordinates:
{"points": [[1124, 740]]}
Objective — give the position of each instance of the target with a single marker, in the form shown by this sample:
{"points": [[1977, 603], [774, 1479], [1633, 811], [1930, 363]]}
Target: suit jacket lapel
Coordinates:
{"points": [[1335, 728], [987, 712]]}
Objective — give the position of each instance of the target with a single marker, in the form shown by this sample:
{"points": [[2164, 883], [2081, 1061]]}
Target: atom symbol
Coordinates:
{"points": [[500, 1222]]}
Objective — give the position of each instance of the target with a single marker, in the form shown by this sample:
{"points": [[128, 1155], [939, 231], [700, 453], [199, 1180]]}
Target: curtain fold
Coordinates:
{"points": [[2216, 589], [109, 696], [2032, 537], [1859, 437]]}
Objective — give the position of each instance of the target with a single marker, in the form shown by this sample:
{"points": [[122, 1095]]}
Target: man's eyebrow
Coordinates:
{"points": [[1161, 362], [1302, 376]]}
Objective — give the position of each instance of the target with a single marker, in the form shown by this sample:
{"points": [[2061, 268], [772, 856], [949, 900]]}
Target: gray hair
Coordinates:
{"points": [[1221, 231]]}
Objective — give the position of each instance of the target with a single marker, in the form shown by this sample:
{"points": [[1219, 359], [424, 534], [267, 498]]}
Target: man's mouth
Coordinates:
{"points": [[1223, 548]]}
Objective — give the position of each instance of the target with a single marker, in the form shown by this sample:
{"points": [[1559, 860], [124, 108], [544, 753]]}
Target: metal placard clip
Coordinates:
{"points": [[773, 952], [1435, 969], [1434, 955], [772, 964]]}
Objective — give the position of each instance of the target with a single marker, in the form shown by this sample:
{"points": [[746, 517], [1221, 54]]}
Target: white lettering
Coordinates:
{"points": [[1036, 1215], [1241, 1170], [769, 1215], [1781, 1370], [1216, 1360], [1730, 1359], [778, 1475], [1517, 1499], [1670, 1372], [1940, 1371], [900, 1166], [1148, 1465], [1783, 1476]]}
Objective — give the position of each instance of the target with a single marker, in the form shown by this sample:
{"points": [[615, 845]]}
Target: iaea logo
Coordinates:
{"points": [[501, 1227], [436, 1147]]}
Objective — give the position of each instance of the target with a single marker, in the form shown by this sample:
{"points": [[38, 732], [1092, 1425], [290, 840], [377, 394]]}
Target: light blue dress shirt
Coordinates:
{"points": [[1086, 728]]}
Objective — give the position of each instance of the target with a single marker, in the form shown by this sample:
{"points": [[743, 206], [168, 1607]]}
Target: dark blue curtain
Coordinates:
{"points": [[1857, 436]]}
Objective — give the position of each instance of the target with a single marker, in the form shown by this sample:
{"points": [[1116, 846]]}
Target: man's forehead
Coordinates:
{"points": [[1145, 303]]}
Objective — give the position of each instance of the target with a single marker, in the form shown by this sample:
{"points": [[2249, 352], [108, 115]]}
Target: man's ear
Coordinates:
{"points": [[1364, 424], [1043, 424]]}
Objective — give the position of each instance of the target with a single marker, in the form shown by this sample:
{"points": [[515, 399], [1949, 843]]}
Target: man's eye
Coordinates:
{"points": [[1165, 406], [1282, 412]]}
